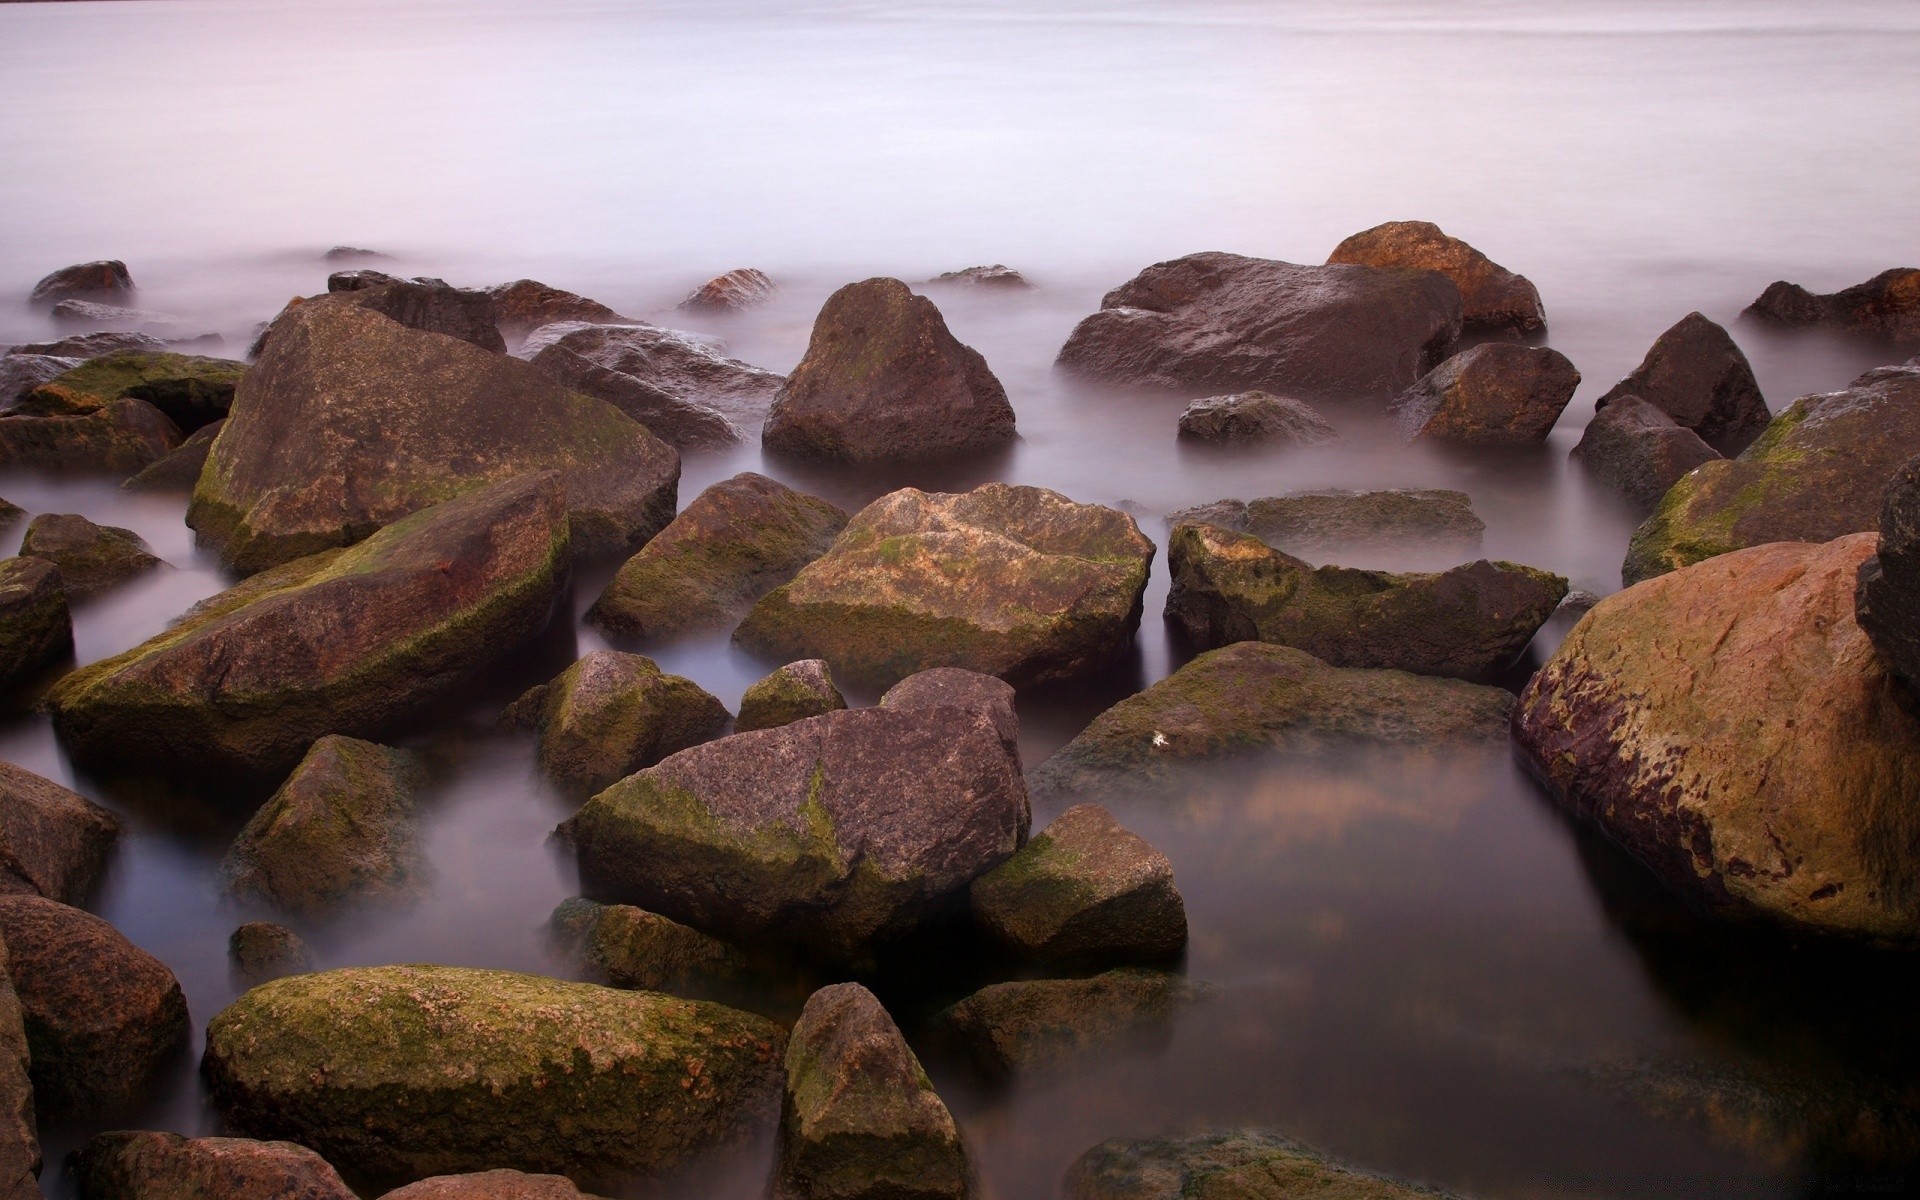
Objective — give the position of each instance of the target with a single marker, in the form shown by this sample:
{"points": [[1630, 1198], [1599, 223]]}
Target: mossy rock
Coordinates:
{"points": [[610, 714], [1243, 1164], [191, 390], [180, 470], [260, 951], [93, 559], [36, 628], [629, 947], [1047, 1025], [791, 693], [119, 439]]}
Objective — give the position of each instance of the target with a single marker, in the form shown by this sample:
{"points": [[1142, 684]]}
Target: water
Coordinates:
{"points": [[1422, 969]]}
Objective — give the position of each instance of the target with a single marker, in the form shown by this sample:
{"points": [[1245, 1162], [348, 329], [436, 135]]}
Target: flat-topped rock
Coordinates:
{"points": [[490, 1185], [1046, 1025], [93, 559], [1255, 417], [788, 694], [956, 687], [53, 842], [1697, 375], [1245, 1164], [996, 275], [610, 714], [190, 389], [1492, 298], [1493, 394], [92, 345]]}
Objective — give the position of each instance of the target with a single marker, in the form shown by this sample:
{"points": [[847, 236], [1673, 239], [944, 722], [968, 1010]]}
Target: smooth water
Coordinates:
{"points": [[1420, 967]]}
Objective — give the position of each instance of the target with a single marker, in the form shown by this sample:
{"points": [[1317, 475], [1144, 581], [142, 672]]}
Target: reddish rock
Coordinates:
{"points": [[1886, 307], [106, 279], [1493, 394], [1492, 297], [165, 1166], [53, 842], [736, 290]]}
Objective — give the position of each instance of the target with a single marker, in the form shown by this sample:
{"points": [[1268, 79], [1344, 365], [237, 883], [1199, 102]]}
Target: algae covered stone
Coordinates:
{"points": [[129, 1165], [610, 714], [399, 1073], [180, 469], [630, 947], [53, 842], [118, 439], [1033, 1025], [190, 389], [92, 558], [36, 628], [1244, 1164], [261, 950], [788, 694]]}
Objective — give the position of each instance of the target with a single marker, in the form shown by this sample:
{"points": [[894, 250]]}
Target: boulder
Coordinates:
{"points": [[36, 629], [165, 1166], [525, 305], [954, 687], [260, 951], [1695, 374], [1819, 471], [788, 694], [104, 1018], [106, 279], [119, 439], [191, 390], [490, 1185], [350, 421], [340, 829], [1493, 299], [92, 345], [610, 714], [352, 254], [833, 833], [180, 470], [741, 288], [737, 541], [428, 305], [630, 947], [348, 641], [1213, 322], [399, 1073], [1044, 1025], [19, 1127], [1251, 698], [861, 1121], [1730, 725], [1468, 622], [21, 373], [683, 375], [1255, 417], [93, 559], [1245, 1164], [1636, 448], [683, 424], [88, 313], [1885, 308], [357, 278], [53, 842], [1009, 580], [1494, 394], [1317, 525], [998, 275], [1887, 600]]}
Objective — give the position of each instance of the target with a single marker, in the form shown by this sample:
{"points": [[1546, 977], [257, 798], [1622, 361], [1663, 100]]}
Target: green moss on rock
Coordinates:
{"points": [[36, 629], [1245, 1164], [191, 390], [791, 693], [610, 714], [1039, 1025]]}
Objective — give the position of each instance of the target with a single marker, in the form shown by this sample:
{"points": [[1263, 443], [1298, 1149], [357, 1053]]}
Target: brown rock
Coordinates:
{"points": [[1637, 448], [955, 687], [165, 1166], [788, 694], [36, 629], [1495, 394], [630, 947], [93, 559], [1492, 297], [738, 289], [1887, 601], [1255, 417], [490, 1185], [683, 424], [427, 305], [190, 389], [180, 470], [53, 842], [525, 305], [261, 951], [1886, 307], [1240, 1164], [106, 279], [999, 275], [610, 714], [680, 378], [92, 345], [1697, 375], [119, 439], [19, 1128], [1038, 1025], [1318, 525], [21, 373]]}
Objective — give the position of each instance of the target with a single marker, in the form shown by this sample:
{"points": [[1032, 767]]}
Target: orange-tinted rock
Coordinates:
{"points": [[1492, 297]]}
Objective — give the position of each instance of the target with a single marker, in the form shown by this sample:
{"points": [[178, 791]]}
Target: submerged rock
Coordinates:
{"points": [[1492, 298], [1638, 449], [953, 687], [525, 305], [1495, 393], [118, 439], [741, 288], [1247, 1164], [1697, 375], [998, 275], [114, 316], [36, 629], [1039, 1025], [630, 947], [790, 693], [191, 390], [93, 559], [490, 1185], [165, 1166], [1887, 600], [683, 424], [53, 842], [261, 951], [683, 378], [1886, 307], [1255, 417], [19, 1127], [610, 714], [180, 470], [1316, 525], [20, 374], [105, 279]]}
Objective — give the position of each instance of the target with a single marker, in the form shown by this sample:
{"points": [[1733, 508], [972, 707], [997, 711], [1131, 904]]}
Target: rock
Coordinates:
{"points": [[166, 1166], [630, 947], [261, 951], [119, 439], [1245, 1164], [791, 693], [861, 1120], [92, 345], [610, 714], [113, 316], [10, 514], [1697, 375], [1494, 394], [1819, 471], [93, 559], [19, 1128], [999, 275], [106, 279], [953, 687], [525, 305], [1008, 580], [1214, 322], [192, 391], [1084, 892], [490, 1185], [340, 829], [678, 374], [1038, 1025], [180, 470], [1638, 449], [350, 421], [53, 842], [884, 380], [360, 278], [36, 630], [738, 289], [352, 254], [1889, 586], [399, 1073], [1886, 307], [737, 541], [1255, 417], [21, 373], [1730, 725], [1314, 525], [1468, 622], [1578, 603], [683, 424], [349, 641], [1492, 297], [427, 305], [834, 833], [104, 1018]]}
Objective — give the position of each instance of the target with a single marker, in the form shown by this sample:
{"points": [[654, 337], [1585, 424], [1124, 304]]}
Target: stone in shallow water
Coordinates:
{"points": [[119, 439], [1246, 1164], [630, 947], [1886, 307], [1697, 375], [53, 842], [21, 373], [191, 390], [261, 951], [738, 289], [610, 714], [92, 345], [998, 275], [1494, 394], [93, 559], [526, 304], [788, 694], [1637, 448], [105, 279], [1492, 297], [1038, 1025], [180, 470], [36, 629], [1255, 417], [126, 1165]]}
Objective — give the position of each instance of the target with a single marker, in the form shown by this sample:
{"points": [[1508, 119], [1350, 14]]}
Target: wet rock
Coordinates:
{"points": [[833, 833], [192, 391], [677, 374], [1886, 307], [352, 254], [954, 687], [610, 714], [53, 842], [19, 1127], [360, 278], [1695, 374], [1493, 394], [1887, 600], [1038, 1025], [1214, 322], [525, 305], [92, 345], [1468, 622], [490, 1185], [791, 693], [1084, 892], [180, 470], [36, 629], [861, 1120], [1638, 449], [399, 1073], [348, 641], [630, 947], [1492, 297], [1314, 525], [93, 559], [165, 1166], [1013, 581], [1251, 698], [21, 373], [684, 424], [350, 421], [1246, 1164], [1255, 417], [104, 1018], [1730, 725], [1819, 471], [340, 829], [106, 279], [119, 439], [738, 289], [1227, 514], [428, 305], [261, 951], [87, 313], [999, 275]]}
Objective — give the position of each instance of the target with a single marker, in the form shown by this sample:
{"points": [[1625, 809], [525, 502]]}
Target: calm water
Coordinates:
{"points": [[1423, 969]]}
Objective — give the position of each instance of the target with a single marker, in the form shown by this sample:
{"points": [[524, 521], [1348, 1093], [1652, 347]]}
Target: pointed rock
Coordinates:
{"points": [[610, 714], [793, 692], [1697, 375], [93, 559], [118, 439]]}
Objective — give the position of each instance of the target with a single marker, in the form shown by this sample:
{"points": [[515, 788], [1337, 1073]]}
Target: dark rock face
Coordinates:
{"points": [[681, 378], [1493, 394], [180, 470], [93, 559], [630, 947], [1468, 622], [1493, 298], [36, 629], [359, 277], [738, 289], [525, 305], [737, 541], [610, 714], [884, 380], [1245, 1164], [998, 275], [861, 1121], [191, 390], [92, 345], [53, 842], [429, 306], [1214, 322], [21, 373], [1886, 307], [165, 1166], [261, 951], [103, 1017], [350, 421], [119, 439], [1041, 1025], [790, 693], [1887, 601], [106, 279], [683, 424], [19, 1127], [832, 833], [1255, 417], [490, 1185], [955, 687], [348, 641], [1640, 450], [1695, 374]]}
